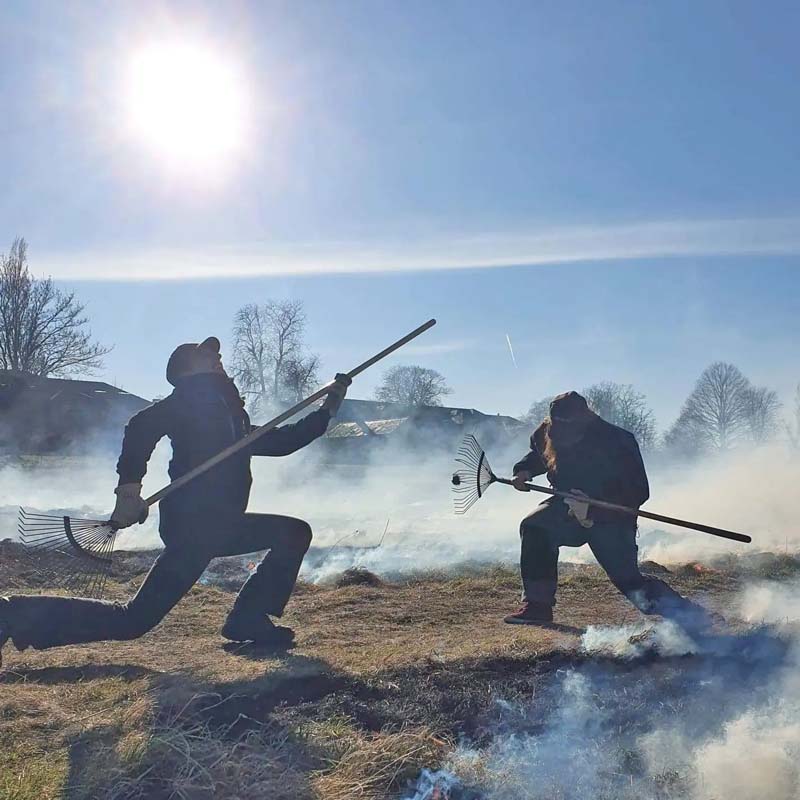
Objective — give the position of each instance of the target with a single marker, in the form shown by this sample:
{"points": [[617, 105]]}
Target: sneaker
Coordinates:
{"points": [[531, 614], [259, 630]]}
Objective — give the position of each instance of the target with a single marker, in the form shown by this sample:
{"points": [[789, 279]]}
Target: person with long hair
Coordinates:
{"points": [[586, 456]]}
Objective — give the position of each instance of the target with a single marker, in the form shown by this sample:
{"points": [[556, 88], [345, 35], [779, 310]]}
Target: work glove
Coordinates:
{"points": [[578, 509], [336, 393], [130, 507], [520, 479]]}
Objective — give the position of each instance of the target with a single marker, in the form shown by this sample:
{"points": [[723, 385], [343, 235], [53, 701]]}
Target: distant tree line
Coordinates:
{"points": [[274, 368], [44, 332], [723, 410]]}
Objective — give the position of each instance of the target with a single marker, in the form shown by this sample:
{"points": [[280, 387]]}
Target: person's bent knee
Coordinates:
{"points": [[132, 625], [530, 529], [296, 538]]}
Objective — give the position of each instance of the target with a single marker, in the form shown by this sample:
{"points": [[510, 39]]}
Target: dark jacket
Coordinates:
{"points": [[606, 464], [200, 421]]}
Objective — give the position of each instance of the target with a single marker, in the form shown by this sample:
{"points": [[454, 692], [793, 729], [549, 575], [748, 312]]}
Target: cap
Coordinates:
{"points": [[181, 355], [569, 405]]}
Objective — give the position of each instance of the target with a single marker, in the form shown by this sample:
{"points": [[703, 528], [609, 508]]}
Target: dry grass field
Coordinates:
{"points": [[383, 680]]}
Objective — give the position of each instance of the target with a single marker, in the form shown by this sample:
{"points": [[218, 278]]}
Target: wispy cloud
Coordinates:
{"points": [[677, 238]]}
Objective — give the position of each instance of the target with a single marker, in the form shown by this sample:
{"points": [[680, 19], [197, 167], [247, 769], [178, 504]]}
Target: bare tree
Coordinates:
{"points": [[538, 412], [620, 404], [42, 329], [300, 377], [270, 361], [723, 409], [715, 413], [761, 413], [793, 426], [412, 386]]}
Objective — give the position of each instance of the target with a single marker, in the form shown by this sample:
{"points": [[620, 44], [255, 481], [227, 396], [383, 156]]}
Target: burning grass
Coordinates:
{"points": [[385, 680]]}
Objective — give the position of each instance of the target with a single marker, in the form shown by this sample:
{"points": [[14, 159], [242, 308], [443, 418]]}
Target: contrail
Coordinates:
{"points": [[511, 350]]}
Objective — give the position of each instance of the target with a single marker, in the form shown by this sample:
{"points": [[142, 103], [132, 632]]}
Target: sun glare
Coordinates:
{"points": [[187, 103]]}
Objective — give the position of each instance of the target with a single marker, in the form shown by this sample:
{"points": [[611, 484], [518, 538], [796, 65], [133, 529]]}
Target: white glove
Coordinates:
{"points": [[579, 510], [336, 393], [520, 479], [130, 507]]}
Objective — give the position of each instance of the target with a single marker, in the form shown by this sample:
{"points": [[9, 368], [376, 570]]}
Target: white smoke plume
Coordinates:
{"points": [[679, 719], [403, 501], [751, 490]]}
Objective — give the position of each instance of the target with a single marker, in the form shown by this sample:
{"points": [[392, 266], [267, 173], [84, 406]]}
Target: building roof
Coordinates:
{"points": [[356, 410], [377, 427], [363, 418], [41, 415], [55, 386]]}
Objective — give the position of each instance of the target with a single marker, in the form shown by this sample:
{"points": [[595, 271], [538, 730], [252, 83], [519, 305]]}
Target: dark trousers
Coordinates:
{"points": [[613, 545], [191, 542]]}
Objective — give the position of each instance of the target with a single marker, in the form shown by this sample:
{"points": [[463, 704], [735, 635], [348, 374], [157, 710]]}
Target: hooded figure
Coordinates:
{"points": [[583, 454], [203, 520]]}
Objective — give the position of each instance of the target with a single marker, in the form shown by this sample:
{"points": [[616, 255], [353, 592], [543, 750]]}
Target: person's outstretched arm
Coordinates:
{"points": [[289, 438]]}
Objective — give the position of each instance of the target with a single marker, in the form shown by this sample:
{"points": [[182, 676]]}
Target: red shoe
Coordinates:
{"points": [[531, 614]]}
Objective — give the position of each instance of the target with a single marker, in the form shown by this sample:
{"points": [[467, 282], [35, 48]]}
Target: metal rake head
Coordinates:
{"points": [[472, 477], [80, 549]]}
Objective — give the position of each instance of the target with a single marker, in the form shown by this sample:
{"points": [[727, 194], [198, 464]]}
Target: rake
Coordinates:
{"points": [[474, 476], [87, 544]]}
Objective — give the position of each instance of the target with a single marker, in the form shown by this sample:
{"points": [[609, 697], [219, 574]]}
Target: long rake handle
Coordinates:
{"points": [[273, 423], [633, 512]]}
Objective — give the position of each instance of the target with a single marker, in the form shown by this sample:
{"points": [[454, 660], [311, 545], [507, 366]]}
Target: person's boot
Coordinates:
{"points": [[531, 614], [697, 620], [259, 630]]}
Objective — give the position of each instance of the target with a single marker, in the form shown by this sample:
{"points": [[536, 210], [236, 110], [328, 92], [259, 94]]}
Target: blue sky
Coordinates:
{"points": [[613, 185]]}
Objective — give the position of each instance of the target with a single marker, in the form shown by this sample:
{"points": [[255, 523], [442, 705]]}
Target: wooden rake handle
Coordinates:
{"points": [[273, 423], [634, 512]]}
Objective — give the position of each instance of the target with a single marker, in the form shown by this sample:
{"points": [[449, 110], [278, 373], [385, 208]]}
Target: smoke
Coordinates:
{"points": [[77, 485], [401, 500], [750, 490], [771, 602], [666, 717]]}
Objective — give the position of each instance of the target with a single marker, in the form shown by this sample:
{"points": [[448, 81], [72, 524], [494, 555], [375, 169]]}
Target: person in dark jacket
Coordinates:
{"points": [[198, 522], [583, 454]]}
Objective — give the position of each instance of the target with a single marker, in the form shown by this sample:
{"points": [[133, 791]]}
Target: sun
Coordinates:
{"points": [[186, 103]]}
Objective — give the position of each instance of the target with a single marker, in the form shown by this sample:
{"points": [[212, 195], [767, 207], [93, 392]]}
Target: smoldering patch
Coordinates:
{"points": [[617, 723]]}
